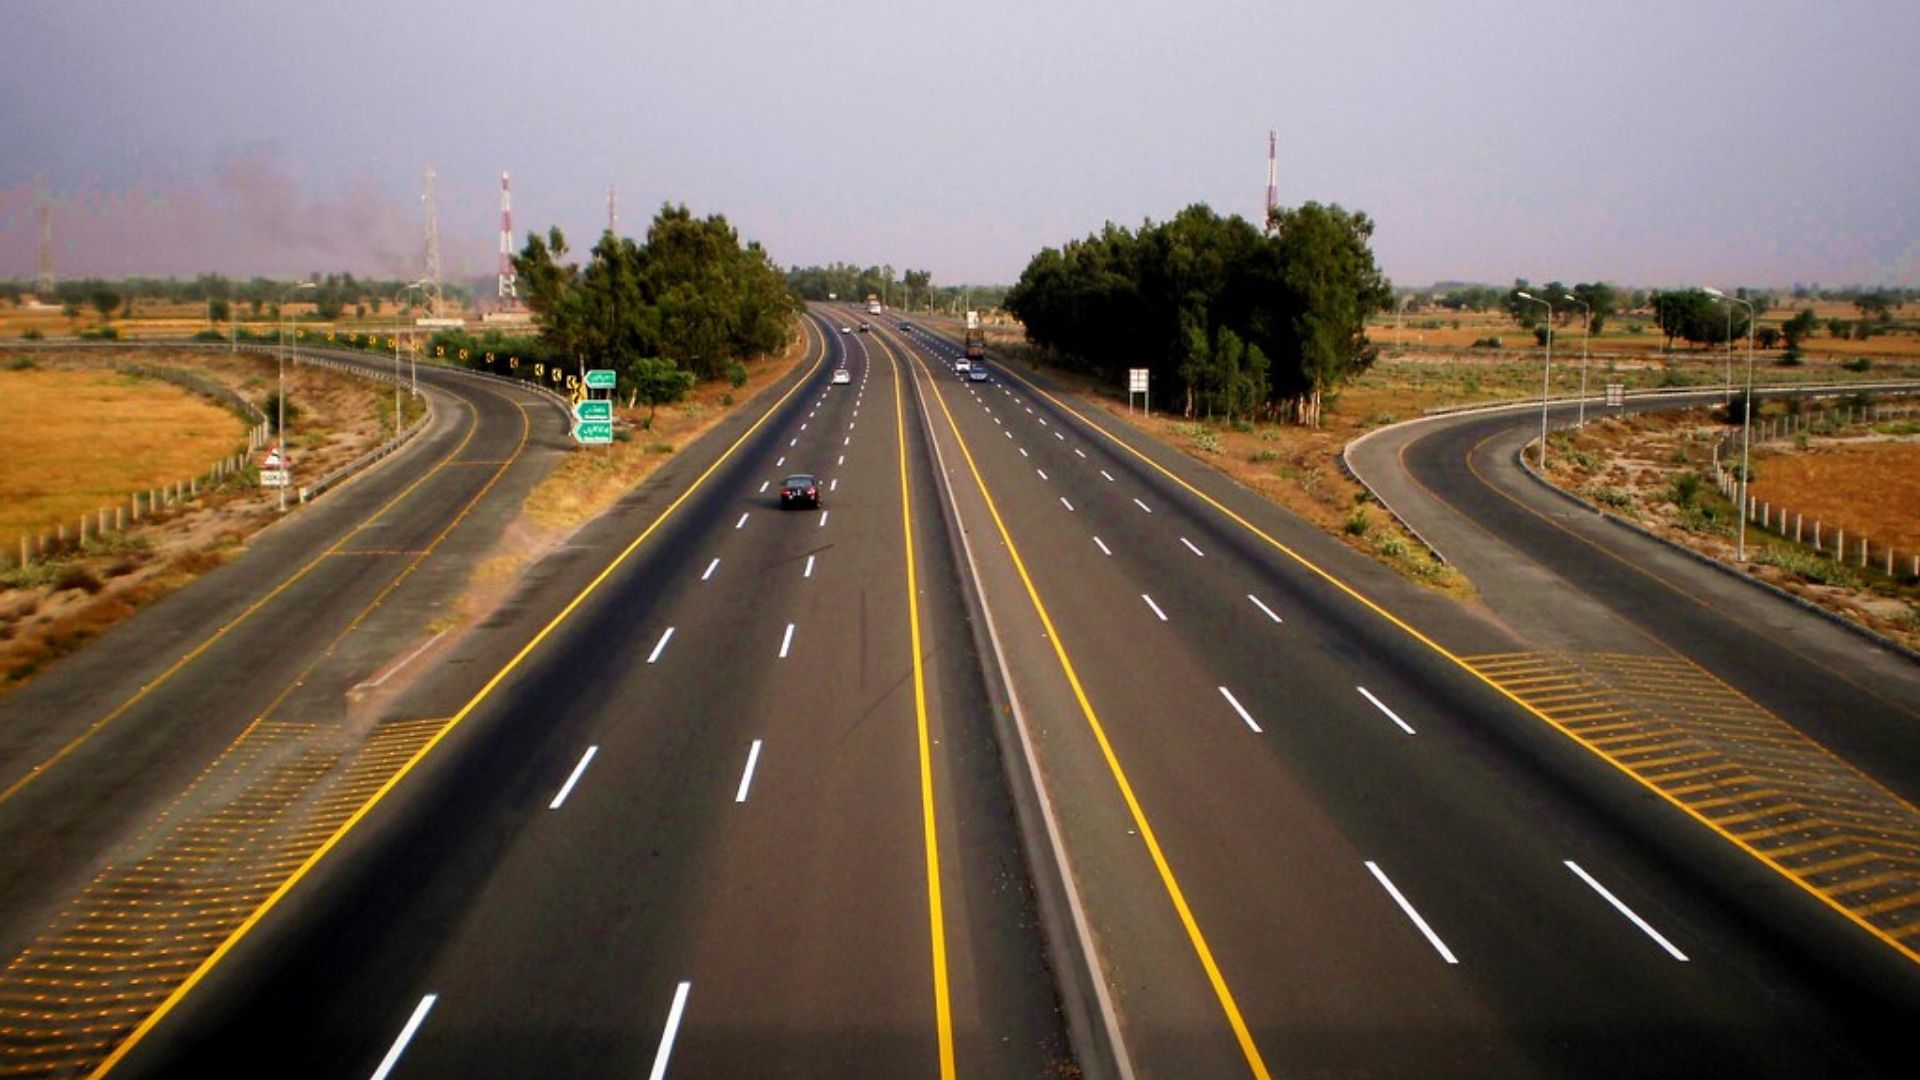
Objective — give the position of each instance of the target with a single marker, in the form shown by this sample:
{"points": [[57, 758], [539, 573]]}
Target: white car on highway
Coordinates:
{"points": [[841, 376]]}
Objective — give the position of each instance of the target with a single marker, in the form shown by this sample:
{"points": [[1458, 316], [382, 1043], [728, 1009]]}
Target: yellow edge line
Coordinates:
{"points": [[936, 917], [232, 940], [252, 609], [1910, 952], [1174, 892]]}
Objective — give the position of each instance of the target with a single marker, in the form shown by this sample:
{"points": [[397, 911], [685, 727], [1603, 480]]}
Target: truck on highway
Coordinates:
{"points": [[873, 304], [975, 341]]}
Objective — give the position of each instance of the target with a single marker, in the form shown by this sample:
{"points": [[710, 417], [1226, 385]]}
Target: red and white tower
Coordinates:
{"points": [[509, 290], [1273, 181]]}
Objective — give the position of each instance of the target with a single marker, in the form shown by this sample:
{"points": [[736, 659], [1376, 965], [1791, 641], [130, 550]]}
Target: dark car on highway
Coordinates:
{"points": [[800, 489]]}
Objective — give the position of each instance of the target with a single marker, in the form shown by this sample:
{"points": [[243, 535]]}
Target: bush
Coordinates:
{"points": [[1685, 488], [1618, 498], [1540, 335], [32, 333], [1358, 523], [1811, 566], [209, 335], [104, 333], [1485, 343], [1262, 456], [75, 576], [1858, 363], [22, 363], [737, 374]]}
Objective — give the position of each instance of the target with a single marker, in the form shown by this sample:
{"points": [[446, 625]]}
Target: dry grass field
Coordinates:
{"points": [[1868, 486], [75, 440]]}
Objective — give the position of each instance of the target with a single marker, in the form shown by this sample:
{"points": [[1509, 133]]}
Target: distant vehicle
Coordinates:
{"points": [[841, 376], [865, 326], [976, 338], [978, 374], [846, 329], [873, 304], [961, 367], [907, 326], [800, 489]]}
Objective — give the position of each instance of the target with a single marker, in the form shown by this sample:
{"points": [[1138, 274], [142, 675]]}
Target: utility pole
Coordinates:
{"points": [[43, 280], [613, 211], [1273, 181]]}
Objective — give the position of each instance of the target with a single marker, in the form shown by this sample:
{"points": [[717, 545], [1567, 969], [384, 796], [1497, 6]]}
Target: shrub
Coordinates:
{"points": [[209, 335], [1263, 455], [1685, 488], [1357, 522], [32, 333], [737, 374], [22, 363], [1808, 565], [1858, 363], [1485, 343], [104, 333], [1392, 547], [1618, 498], [659, 448], [75, 576]]}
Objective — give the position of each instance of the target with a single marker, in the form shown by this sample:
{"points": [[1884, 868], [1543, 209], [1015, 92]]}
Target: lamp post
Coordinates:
{"points": [[1586, 329], [402, 291], [280, 424], [1546, 374], [1746, 419]]}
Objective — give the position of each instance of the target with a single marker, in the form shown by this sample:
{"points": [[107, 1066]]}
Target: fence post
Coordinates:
{"points": [[1839, 544], [1863, 551], [1798, 520]]}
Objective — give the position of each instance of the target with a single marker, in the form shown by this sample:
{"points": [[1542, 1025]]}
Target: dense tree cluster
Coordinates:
{"points": [[1236, 323], [333, 295], [690, 299]]}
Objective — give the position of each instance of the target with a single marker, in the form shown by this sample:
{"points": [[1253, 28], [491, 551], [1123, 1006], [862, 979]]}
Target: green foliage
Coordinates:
{"points": [[1698, 318], [1486, 343], [692, 297], [1618, 498], [657, 382], [1819, 568], [1245, 322], [1767, 337], [1542, 335], [1685, 488], [1358, 524], [104, 333], [736, 376], [32, 333], [1858, 363], [271, 407]]}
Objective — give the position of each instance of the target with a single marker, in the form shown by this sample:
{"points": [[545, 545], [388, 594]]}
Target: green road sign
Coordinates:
{"points": [[593, 431], [593, 410], [599, 378]]}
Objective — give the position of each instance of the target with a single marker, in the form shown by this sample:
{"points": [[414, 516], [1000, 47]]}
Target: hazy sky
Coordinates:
{"points": [[1640, 141]]}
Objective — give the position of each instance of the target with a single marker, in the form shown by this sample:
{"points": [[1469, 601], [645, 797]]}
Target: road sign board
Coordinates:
{"points": [[600, 378], [593, 431], [593, 410], [1137, 380], [275, 478]]}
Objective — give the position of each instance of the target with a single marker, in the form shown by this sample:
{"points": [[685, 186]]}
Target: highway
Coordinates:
{"points": [[725, 817], [727, 790], [1364, 858]]}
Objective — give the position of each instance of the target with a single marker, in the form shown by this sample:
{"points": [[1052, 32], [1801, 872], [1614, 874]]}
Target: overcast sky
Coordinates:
{"points": [[1639, 141]]}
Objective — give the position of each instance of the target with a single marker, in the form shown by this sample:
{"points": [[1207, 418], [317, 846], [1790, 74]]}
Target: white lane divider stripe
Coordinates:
{"points": [[1143, 506], [406, 1036], [1008, 434], [1378, 704], [793, 442], [1235, 702], [786, 643], [1042, 472], [1080, 452], [573, 778], [833, 484], [781, 462], [660, 646], [1191, 548], [711, 567], [1102, 545], [1065, 503], [746, 777], [1154, 606], [674, 1014], [808, 572], [1059, 436], [1622, 908], [823, 518], [842, 461], [1263, 607], [1023, 452], [1108, 475], [765, 484], [1432, 938], [742, 521]]}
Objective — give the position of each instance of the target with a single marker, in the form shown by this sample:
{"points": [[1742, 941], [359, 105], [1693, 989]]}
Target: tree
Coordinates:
{"points": [[1602, 298], [658, 382], [104, 301], [1799, 328], [1767, 337], [219, 310], [1331, 287]]}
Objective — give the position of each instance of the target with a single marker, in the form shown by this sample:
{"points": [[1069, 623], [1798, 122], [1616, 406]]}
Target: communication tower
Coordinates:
{"points": [[433, 251], [509, 292], [613, 211], [43, 281]]}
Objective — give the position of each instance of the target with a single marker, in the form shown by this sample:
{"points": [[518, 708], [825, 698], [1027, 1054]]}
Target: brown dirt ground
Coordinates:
{"points": [[1868, 486], [1630, 466], [56, 605]]}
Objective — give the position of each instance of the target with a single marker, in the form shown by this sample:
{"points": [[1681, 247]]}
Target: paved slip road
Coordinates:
{"points": [[704, 824], [97, 749], [1311, 840]]}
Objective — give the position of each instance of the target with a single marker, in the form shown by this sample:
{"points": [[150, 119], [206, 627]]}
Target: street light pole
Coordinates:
{"points": [[403, 290], [1746, 419], [1586, 329], [1546, 375], [280, 424]]}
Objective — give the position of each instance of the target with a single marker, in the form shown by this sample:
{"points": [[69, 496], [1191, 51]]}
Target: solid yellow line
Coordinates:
{"points": [[936, 917], [1194, 937], [252, 609], [1910, 952], [226, 946]]}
